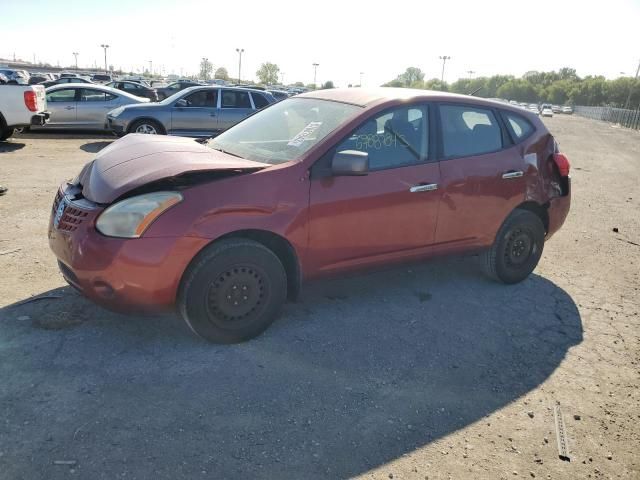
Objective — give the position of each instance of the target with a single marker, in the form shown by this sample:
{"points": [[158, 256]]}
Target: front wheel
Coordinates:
{"points": [[232, 291], [150, 127], [517, 248]]}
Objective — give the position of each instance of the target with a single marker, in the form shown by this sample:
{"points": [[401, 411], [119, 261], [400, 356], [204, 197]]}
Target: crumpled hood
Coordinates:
{"points": [[137, 159]]}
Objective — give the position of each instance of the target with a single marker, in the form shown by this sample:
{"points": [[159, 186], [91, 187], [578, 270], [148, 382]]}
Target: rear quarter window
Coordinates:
{"points": [[520, 127]]}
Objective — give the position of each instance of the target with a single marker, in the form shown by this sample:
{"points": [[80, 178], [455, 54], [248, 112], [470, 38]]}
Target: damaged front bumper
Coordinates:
{"points": [[126, 275]]}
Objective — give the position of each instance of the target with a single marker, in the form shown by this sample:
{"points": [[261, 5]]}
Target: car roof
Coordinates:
{"points": [[365, 97], [90, 86], [218, 87]]}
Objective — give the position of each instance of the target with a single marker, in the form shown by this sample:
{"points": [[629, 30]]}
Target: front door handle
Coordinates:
{"points": [[429, 187], [69, 108], [512, 174], [212, 115]]}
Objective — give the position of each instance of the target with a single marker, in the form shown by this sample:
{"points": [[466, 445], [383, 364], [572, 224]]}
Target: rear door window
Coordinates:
{"points": [[235, 99], [259, 101], [201, 98], [468, 131]]}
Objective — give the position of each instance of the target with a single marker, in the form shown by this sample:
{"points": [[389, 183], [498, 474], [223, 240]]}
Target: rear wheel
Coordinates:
{"points": [[150, 127], [517, 248], [233, 291]]}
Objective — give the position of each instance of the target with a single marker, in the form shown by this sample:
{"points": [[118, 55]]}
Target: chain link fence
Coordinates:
{"points": [[620, 116]]}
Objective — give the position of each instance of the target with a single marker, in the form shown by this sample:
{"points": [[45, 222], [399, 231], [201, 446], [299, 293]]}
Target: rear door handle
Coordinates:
{"points": [[512, 174], [69, 108], [429, 187]]}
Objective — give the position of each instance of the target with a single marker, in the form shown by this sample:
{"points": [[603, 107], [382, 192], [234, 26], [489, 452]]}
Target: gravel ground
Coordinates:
{"points": [[422, 372]]}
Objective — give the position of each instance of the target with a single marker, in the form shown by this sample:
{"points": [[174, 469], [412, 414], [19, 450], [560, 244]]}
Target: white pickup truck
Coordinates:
{"points": [[21, 106]]}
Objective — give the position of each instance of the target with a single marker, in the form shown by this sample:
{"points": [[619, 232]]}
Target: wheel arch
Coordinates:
{"points": [[542, 211], [279, 245]]}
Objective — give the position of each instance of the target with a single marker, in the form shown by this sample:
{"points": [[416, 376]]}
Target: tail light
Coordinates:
{"points": [[31, 101], [562, 162]]}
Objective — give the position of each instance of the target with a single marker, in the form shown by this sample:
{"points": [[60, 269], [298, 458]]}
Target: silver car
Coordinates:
{"points": [[201, 111], [84, 105], [20, 77]]}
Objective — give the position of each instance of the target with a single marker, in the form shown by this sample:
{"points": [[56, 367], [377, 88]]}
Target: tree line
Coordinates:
{"points": [[561, 87], [268, 74]]}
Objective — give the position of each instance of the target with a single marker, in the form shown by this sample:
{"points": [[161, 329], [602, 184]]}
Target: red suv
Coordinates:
{"points": [[318, 184]]}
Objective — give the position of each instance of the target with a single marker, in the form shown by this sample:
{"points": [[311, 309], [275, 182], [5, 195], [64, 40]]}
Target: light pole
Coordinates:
{"points": [[105, 46], [444, 59], [315, 72], [635, 79], [204, 68], [361, 74], [151, 68], [240, 52], [75, 54], [470, 72]]}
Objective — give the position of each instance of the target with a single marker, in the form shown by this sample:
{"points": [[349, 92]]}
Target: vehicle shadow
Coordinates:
{"points": [[94, 147], [10, 146], [357, 373], [62, 134]]}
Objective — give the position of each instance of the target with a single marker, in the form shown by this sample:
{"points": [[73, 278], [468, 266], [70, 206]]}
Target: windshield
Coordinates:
{"points": [[284, 131]]}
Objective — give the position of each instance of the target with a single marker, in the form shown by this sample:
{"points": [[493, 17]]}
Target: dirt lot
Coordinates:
{"points": [[423, 372]]}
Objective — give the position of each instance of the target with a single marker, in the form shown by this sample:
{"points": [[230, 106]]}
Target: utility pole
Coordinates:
{"points": [[240, 52], [75, 54], [105, 46], [205, 62], [361, 74], [315, 72], [444, 59], [635, 80]]}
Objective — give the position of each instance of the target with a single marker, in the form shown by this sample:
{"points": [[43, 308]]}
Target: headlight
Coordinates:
{"points": [[131, 217], [115, 112]]}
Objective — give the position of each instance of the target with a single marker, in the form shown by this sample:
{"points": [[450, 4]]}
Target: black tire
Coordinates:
{"points": [[232, 291], [150, 124], [517, 248], [5, 133]]}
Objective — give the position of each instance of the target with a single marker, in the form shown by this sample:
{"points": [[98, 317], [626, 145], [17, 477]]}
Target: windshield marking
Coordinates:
{"points": [[306, 132]]}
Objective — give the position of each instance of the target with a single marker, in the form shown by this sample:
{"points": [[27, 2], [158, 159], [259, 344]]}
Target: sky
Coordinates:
{"points": [[380, 39]]}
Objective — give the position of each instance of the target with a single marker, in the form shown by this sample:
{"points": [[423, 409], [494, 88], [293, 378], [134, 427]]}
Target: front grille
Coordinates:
{"points": [[71, 217]]}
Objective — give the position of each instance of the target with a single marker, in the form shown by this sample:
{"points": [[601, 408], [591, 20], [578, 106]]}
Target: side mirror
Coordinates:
{"points": [[181, 103], [350, 163]]}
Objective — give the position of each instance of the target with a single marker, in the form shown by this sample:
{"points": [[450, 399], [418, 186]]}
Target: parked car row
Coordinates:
{"points": [[545, 109], [16, 77]]}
